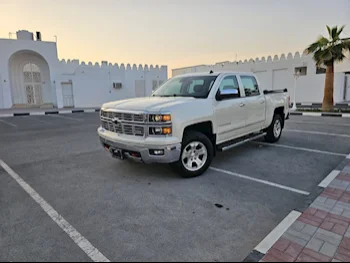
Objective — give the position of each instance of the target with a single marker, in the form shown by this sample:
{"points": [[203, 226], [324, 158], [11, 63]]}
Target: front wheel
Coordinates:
{"points": [[196, 155], [274, 131]]}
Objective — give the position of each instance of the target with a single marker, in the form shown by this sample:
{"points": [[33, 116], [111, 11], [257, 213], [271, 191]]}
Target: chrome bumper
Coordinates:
{"points": [[171, 152]]}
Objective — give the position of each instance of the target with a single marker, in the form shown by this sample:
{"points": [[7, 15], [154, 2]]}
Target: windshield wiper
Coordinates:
{"points": [[174, 95]]}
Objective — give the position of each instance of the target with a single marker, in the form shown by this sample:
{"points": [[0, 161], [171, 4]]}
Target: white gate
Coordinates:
{"points": [[67, 92], [32, 84], [140, 88]]}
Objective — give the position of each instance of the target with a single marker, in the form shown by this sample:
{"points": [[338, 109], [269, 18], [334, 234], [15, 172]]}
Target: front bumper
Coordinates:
{"points": [[171, 152]]}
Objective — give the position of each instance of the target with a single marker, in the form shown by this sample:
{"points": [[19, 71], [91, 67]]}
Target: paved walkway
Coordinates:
{"points": [[322, 232]]}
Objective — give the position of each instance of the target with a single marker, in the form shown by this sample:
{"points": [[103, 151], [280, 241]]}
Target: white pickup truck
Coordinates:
{"points": [[190, 117]]}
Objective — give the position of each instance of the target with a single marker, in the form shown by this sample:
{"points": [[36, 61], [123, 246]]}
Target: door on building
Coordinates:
{"points": [[32, 84], [140, 88], [347, 87], [67, 92], [279, 78]]}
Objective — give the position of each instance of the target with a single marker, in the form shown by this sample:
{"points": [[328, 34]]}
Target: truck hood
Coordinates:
{"points": [[151, 104]]}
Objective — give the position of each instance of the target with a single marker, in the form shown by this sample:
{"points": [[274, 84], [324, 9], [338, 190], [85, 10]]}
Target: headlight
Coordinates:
{"points": [[160, 130], [159, 117]]}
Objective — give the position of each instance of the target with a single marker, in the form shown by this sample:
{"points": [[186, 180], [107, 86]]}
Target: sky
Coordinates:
{"points": [[177, 33]]}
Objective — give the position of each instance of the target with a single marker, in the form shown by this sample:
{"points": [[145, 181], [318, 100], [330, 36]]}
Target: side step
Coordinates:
{"points": [[239, 141]]}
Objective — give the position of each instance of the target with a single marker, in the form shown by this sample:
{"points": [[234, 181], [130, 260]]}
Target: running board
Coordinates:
{"points": [[231, 144]]}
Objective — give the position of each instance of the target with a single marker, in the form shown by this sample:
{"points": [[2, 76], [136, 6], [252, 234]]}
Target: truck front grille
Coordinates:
{"points": [[124, 123], [129, 117]]}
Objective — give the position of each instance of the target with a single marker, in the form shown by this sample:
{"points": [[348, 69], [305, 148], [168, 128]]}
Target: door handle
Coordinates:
{"points": [[241, 105], [262, 102]]}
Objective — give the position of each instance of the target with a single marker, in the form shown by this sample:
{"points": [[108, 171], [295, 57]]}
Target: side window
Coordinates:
{"points": [[230, 83], [250, 86]]}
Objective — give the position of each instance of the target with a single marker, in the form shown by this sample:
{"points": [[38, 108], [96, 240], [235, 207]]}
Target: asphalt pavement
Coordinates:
{"points": [[136, 212]]}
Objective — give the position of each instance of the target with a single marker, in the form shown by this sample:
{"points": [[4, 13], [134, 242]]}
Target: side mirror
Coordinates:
{"points": [[227, 94]]}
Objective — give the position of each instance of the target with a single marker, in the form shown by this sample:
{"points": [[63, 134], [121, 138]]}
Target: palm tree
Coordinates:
{"points": [[325, 52]]}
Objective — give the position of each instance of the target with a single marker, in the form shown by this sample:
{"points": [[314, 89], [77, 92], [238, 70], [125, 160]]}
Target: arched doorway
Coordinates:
{"points": [[30, 80]]}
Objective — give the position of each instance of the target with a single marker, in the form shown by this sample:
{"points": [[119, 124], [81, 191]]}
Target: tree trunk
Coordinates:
{"points": [[328, 102]]}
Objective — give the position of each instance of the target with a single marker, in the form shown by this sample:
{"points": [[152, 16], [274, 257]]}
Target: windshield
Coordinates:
{"points": [[194, 86]]}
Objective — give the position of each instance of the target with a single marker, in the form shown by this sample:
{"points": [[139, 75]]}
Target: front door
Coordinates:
{"points": [[67, 92], [230, 113], [255, 103]]}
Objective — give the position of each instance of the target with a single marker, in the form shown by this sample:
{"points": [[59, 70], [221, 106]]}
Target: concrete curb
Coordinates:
{"points": [[49, 112], [343, 105], [256, 255], [320, 114]]}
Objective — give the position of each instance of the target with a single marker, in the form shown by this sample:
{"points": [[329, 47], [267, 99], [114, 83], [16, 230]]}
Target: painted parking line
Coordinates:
{"points": [[34, 119], [318, 133], [80, 240], [275, 234], [329, 178], [298, 148], [9, 123], [319, 123], [261, 181], [67, 118]]}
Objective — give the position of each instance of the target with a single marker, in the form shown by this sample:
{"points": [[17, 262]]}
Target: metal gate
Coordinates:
{"points": [[67, 92]]}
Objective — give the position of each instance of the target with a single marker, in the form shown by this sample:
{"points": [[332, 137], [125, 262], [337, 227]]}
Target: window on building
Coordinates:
{"points": [[320, 70], [250, 86], [302, 71]]}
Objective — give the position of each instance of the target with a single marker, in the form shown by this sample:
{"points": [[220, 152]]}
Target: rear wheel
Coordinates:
{"points": [[196, 155], [274, 131]]}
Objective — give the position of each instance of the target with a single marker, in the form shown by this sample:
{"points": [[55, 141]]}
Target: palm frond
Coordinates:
{"points": [[334, 33], [340, 30], [323, 41], [329, 31], [312, 48]]}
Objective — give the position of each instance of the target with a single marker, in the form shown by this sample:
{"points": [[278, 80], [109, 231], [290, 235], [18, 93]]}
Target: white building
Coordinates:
{"points": [[31, 75], [278, 73]]}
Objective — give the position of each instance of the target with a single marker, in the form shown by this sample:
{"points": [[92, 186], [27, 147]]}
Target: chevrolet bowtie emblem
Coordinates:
{"points": [[115, 120]]}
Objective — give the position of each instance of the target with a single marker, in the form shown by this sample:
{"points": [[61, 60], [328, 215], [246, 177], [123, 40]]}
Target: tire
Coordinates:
{"points": [[274, 131], [194, 143]]}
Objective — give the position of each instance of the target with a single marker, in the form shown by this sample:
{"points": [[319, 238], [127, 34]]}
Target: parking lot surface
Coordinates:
{"points": [[135, 212]]}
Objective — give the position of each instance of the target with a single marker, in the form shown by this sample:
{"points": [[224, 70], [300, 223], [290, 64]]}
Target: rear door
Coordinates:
{"points": [[254, 103], [230, 113]]}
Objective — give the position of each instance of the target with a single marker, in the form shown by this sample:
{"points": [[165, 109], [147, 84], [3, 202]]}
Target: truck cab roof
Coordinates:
{"points": [[216, 73]]}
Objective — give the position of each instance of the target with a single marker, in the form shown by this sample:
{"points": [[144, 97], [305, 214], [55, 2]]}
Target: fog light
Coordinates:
{"points": [[166, 130], [156, 152]]}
